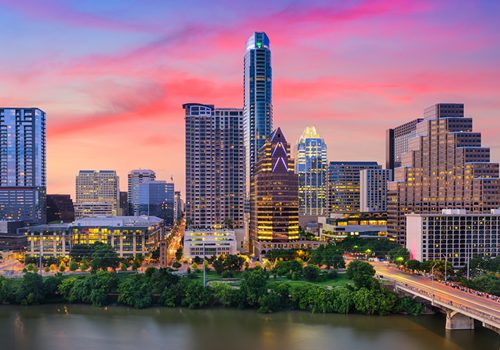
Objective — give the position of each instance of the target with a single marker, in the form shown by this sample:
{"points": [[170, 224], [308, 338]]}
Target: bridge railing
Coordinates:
{"points": [[448, 303]]}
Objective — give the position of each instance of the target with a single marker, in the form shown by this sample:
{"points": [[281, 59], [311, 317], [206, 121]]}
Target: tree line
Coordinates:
{"points": [[257, 290]]}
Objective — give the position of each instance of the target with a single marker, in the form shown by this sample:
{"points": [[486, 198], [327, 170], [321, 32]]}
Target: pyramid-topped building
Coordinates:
{"points": [[275, 215]]}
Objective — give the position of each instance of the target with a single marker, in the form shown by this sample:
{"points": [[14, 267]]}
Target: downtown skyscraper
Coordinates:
{"points": [[257, 98], [344, 186], [311, 166], [215, 166], [97, 193], [22, 165], [274, 220], [135, 179], [445, 167]]}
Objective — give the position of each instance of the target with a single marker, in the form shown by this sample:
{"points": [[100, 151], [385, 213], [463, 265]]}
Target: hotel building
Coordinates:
{"points": [[453, 235]]}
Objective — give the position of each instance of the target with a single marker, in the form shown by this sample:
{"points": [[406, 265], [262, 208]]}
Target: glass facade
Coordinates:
{"points": [[257, 98], [445, 167], [344, 186], [156, 198], [311, 167], [22, 165], [135, 178], [275, 215]]}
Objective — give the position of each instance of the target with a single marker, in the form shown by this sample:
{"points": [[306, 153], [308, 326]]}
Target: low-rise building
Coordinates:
{"points": [[454, 235], [208, 243], [363, 226], [129, 235]]}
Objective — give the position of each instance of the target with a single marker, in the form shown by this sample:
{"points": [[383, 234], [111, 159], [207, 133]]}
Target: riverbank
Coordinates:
{"points": [[253, 289], [81, 327]]}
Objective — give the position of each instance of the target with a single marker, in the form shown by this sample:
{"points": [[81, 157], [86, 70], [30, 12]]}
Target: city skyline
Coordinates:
{"points": [[102, 94]]}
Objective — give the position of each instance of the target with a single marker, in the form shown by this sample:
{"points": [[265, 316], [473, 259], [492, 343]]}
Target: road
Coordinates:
{"points": [[441, 291], [174, 241]]}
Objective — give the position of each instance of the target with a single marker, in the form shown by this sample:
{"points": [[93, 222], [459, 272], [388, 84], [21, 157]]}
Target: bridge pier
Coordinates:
{"points": [[456, 320]]}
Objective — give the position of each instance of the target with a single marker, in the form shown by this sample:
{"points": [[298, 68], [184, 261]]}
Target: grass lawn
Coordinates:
{"points": [[212, 276], [341, 280]]}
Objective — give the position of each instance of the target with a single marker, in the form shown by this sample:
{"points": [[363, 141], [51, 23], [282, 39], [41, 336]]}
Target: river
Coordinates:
{"points": [[79, 327]]}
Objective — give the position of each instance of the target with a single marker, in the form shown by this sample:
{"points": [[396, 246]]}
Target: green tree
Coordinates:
{"points": [[195, 295], [288, 267], [103, 257], [65, 287], [364, 301], [6, 290], [30, 290], [253, 286], [413, 265], [73, 265], [84, 266], [233, 263], [343, 300], [361, 273], [399, 254], [81, 252], [135, 291], [311, 273]]}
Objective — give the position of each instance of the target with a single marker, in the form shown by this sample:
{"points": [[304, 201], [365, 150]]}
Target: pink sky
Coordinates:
{"points": [[112, 76]]}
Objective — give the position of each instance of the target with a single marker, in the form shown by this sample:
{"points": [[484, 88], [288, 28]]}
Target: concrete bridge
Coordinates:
{"points": [[461, 308], [458, 314]]}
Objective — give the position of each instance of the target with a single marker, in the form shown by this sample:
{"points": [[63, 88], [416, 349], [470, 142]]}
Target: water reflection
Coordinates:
{"points": [[82, 327]]}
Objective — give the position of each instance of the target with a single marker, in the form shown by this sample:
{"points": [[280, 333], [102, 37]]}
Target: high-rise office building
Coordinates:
{"points": [[215, 166], [344, 186], [397, 142], [397, 139], [97, 193], [445, 168], [135, 178], [444, 110], [257, 98], [275, 215], [60, 208], [152, 197], [22, 165], [156, 198], [373, 190], [311, 166]]}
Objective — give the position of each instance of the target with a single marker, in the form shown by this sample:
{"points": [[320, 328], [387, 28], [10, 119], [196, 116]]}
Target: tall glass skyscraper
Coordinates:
{"points": [[135, 178], [257, 98], [311, 166], [22, 165]]}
